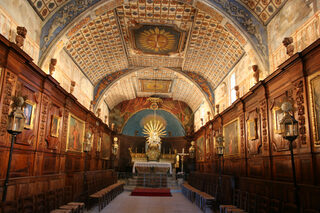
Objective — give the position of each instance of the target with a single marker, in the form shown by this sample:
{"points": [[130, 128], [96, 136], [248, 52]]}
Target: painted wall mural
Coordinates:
{"points": [[121, 113], [134, 125], [203, 83]]}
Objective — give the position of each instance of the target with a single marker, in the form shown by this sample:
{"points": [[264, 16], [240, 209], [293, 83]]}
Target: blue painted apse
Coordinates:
{"points": [[134, 126]]}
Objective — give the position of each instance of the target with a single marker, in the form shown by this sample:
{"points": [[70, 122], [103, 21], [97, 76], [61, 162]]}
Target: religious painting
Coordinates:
{"points": [[106, 147], [315, 104], [55, 125], [252, 129], [200, 148], [76, 129], [277, 117], [232, 138], [207, 145], [156, 39], [99, 145], [159, 86], [29, 113]]}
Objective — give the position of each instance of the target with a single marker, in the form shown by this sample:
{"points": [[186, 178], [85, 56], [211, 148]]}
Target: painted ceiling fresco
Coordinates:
{"points": [[128, 86], [204, 39], [134, 126], [121, 113]]}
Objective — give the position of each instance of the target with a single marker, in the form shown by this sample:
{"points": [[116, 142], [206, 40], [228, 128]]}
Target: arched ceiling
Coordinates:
{"points": [[169, 84], [204, 39]]}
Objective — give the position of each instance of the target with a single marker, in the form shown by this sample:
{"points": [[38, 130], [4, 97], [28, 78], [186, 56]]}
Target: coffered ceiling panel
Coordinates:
{"points": [[97, 47], [212, 50]]}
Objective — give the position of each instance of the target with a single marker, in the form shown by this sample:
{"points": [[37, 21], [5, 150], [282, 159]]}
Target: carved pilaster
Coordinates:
{"points": [[242, 133], [264, 123], [64, 130], [8, 89], [301, 111], [43, 120]]}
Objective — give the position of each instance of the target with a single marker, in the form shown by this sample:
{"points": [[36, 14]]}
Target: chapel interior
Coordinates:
{"points": [[204, 105]]}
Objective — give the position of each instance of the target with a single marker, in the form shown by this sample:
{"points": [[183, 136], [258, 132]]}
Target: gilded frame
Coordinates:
{"points": [[29, 113], [252, 133], [81, 133], [55, 126], [315, 114], [227, 134], [200, 154], [276, 118]]}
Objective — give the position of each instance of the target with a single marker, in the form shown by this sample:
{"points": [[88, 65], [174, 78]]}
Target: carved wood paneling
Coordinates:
{"points": [[300, 100], [9, 83], [43, 121], [264, 124]]}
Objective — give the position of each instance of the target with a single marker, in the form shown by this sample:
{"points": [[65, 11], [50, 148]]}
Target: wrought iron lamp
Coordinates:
{"points": [[16, 121], [289, 131], [220, 152]]}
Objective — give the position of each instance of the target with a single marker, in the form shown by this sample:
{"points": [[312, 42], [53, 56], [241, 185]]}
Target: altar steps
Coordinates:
{"points": [[152, 181]]}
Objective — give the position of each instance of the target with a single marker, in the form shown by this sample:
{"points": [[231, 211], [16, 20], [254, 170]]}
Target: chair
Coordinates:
{"points": [[275, 206], [50, 200], [40, 203], [9, 207], [289, 208], [26, 204], [252, 203]]}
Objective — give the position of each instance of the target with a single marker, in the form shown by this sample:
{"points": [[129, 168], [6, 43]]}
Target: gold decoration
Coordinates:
{"points": [[157, 40]]}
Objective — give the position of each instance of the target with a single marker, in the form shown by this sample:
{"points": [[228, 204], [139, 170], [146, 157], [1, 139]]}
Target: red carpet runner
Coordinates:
{"points": [[162, 192]]}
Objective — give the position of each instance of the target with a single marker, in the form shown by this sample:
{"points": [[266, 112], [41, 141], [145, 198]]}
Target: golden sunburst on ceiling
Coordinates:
{"points": [[157, 40]]}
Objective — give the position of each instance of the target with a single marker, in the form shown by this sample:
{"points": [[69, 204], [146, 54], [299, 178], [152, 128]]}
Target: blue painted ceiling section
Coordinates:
{"points": [[135, 123]]}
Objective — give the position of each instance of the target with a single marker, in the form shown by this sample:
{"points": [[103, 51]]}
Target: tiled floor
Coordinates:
{"points": [[124, 203]]}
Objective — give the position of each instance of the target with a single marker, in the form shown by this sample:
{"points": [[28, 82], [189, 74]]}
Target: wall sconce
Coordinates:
{"points": [[192, 150], [16, 121], [115, 146], [87, 142]]}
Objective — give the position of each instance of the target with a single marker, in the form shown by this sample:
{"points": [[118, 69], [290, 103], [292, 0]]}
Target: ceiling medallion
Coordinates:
{"points": [[154, 102], [157, 39]]}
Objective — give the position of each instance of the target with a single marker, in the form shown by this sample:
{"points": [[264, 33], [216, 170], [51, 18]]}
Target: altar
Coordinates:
{"points": [[147, 167]]}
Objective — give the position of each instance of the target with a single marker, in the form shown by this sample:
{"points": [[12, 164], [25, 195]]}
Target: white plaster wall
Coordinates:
{"points": [[67, 71], [15, 13]]}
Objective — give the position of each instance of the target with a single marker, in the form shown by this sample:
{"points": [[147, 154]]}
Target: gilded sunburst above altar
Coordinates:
{"points": [[159, 40]]}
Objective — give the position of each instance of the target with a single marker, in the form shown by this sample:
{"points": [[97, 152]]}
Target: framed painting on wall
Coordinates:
{"points": [[55, 126], [99, 145], [277, 117], [314, 84], [231, 133], [29, 113], [252, 129], [200, 148], [75, 136], [106, 147]]}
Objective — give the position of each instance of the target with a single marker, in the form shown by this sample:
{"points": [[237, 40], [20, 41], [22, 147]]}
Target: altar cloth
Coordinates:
{"points": [[161, 165]]}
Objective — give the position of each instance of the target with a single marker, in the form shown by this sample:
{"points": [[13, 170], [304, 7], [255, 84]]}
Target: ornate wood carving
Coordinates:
{"points": [[43, 119], [264, 123], [301, 110], [8, 89], [64, 130], [242, 133]]}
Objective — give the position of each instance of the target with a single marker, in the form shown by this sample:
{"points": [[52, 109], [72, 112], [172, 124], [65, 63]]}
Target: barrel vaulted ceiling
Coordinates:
{"points": [[206, 39]]}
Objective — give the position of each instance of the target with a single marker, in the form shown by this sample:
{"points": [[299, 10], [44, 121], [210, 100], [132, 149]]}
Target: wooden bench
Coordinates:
{"points": [[104, 196], [203, 200]]}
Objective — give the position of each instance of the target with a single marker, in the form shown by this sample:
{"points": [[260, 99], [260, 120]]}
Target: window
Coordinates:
{"points": [[233, 96]]}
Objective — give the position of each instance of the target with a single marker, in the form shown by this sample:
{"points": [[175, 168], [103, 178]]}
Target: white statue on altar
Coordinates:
{"points": [[154, 129]]}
